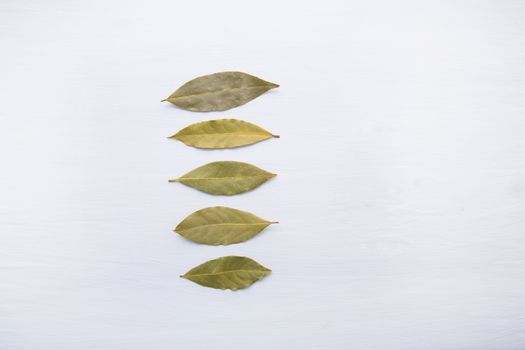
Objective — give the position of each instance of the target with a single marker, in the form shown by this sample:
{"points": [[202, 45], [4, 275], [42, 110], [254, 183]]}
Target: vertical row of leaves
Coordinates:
{"points": [[222, 225]]}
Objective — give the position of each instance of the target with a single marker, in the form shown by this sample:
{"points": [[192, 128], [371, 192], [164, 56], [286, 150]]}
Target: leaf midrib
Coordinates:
{"points": [[223, 273], [220, 178], [216, 91], [225, 224], [227, 133]]}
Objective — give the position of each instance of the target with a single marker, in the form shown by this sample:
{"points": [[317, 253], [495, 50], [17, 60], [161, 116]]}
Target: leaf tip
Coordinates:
{"points": [[164, 100], [173, 180], [276, 136]]}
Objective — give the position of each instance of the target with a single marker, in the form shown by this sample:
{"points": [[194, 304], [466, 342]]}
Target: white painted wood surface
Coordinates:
{"points": [[401, 187]]}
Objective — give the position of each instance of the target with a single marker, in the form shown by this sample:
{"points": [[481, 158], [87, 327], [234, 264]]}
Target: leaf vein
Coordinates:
{"points": [[222, 273], [214, 92]]}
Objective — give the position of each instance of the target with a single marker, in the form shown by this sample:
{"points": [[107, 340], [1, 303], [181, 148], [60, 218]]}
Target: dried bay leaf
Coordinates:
{"points": [[225, 178], [221, 226], [222, 133], [228, 272], [219, 91]]}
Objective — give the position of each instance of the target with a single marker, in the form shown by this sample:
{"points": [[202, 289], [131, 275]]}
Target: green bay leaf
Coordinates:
{"points": [[225, 178], [221, 226], [228, 272], [222, 133], [219, 91]]}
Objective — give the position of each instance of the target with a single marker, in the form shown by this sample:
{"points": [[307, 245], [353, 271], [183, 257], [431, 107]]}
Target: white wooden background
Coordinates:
{"points": [[401, 187]]}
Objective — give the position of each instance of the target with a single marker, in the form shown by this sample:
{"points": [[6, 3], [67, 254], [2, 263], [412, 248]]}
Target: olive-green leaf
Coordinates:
{"points": [[219, 91], [221, 226], [228, 272], [225, 178], [222, 133]]}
